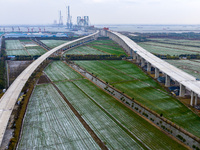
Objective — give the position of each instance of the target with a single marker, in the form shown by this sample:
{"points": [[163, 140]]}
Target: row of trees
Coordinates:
{"points": [[93, 57], [143, 37], [2, 65], [2, 74], [186, 56]]}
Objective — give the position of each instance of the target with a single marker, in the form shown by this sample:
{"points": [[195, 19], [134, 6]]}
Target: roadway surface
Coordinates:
{"points": [[176, 74], [7, 102]]}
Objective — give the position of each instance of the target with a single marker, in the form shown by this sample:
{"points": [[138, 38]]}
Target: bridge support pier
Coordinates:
{"points": [[192, 98], [196, 98], [156, 73], [131, 53], [167, 81], [148, 67], [182, 90], [134, 55], [142, 62], [137, 59]]}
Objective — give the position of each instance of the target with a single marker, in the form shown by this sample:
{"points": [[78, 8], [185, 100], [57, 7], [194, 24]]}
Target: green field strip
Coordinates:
{"points": [[151, 97], [108, 50], [85, 50], [112, 47], [25, 41], [123, 71], [36, 51], [97, 70], [53, 43], [58, 71], [50, 124], [101, 42]]}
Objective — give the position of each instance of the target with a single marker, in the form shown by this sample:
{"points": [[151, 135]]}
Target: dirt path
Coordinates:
{"points": [[87, 127], [27, 51]]}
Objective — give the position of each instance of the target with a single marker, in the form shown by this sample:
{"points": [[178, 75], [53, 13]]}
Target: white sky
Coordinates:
{"points": [[101, 11]]}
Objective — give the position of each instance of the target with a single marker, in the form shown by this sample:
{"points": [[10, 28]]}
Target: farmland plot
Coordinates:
{"points": [[13, 44], [107, 49], [25, 41], [178, 47], [28, 43], [50, 124], [165, 50], [37, 51], [58, 71], [101, 42], [105, 128], [85, 50], [190, 66], [16, 52], [180, 42], [23, 47], [94, 105], [149, 93], [138, 126], [107, 46], [53, 43]]}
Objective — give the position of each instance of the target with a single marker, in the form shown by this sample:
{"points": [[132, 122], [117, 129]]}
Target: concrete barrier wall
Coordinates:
{"points": [[161, 122]]}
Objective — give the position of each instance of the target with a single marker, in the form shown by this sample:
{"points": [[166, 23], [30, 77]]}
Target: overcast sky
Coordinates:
{"points": [[101, 11]]}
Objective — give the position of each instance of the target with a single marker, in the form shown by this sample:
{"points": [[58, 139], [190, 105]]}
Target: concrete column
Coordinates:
{"points": [[142, 62], [196, 98], [182, 91], [156, 73], [134, 55], [138, 59], [192, 98], [148, 67], [131, 52], [167, 81]]}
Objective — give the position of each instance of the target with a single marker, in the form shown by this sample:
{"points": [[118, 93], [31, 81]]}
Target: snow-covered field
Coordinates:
{"points": [[50, 124]]}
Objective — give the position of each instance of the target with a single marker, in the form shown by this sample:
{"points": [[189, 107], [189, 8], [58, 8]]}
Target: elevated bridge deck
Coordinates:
{"points": [[185, 80]]}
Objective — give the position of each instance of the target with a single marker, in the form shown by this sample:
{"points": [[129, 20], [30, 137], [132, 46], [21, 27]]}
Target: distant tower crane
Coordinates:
{"points": [[19, 29], [60, 19], [83, 21], [69, 18]]}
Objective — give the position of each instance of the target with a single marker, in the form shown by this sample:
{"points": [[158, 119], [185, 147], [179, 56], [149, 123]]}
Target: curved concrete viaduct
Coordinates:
{"points": [[9, 99], [145, 58]]}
